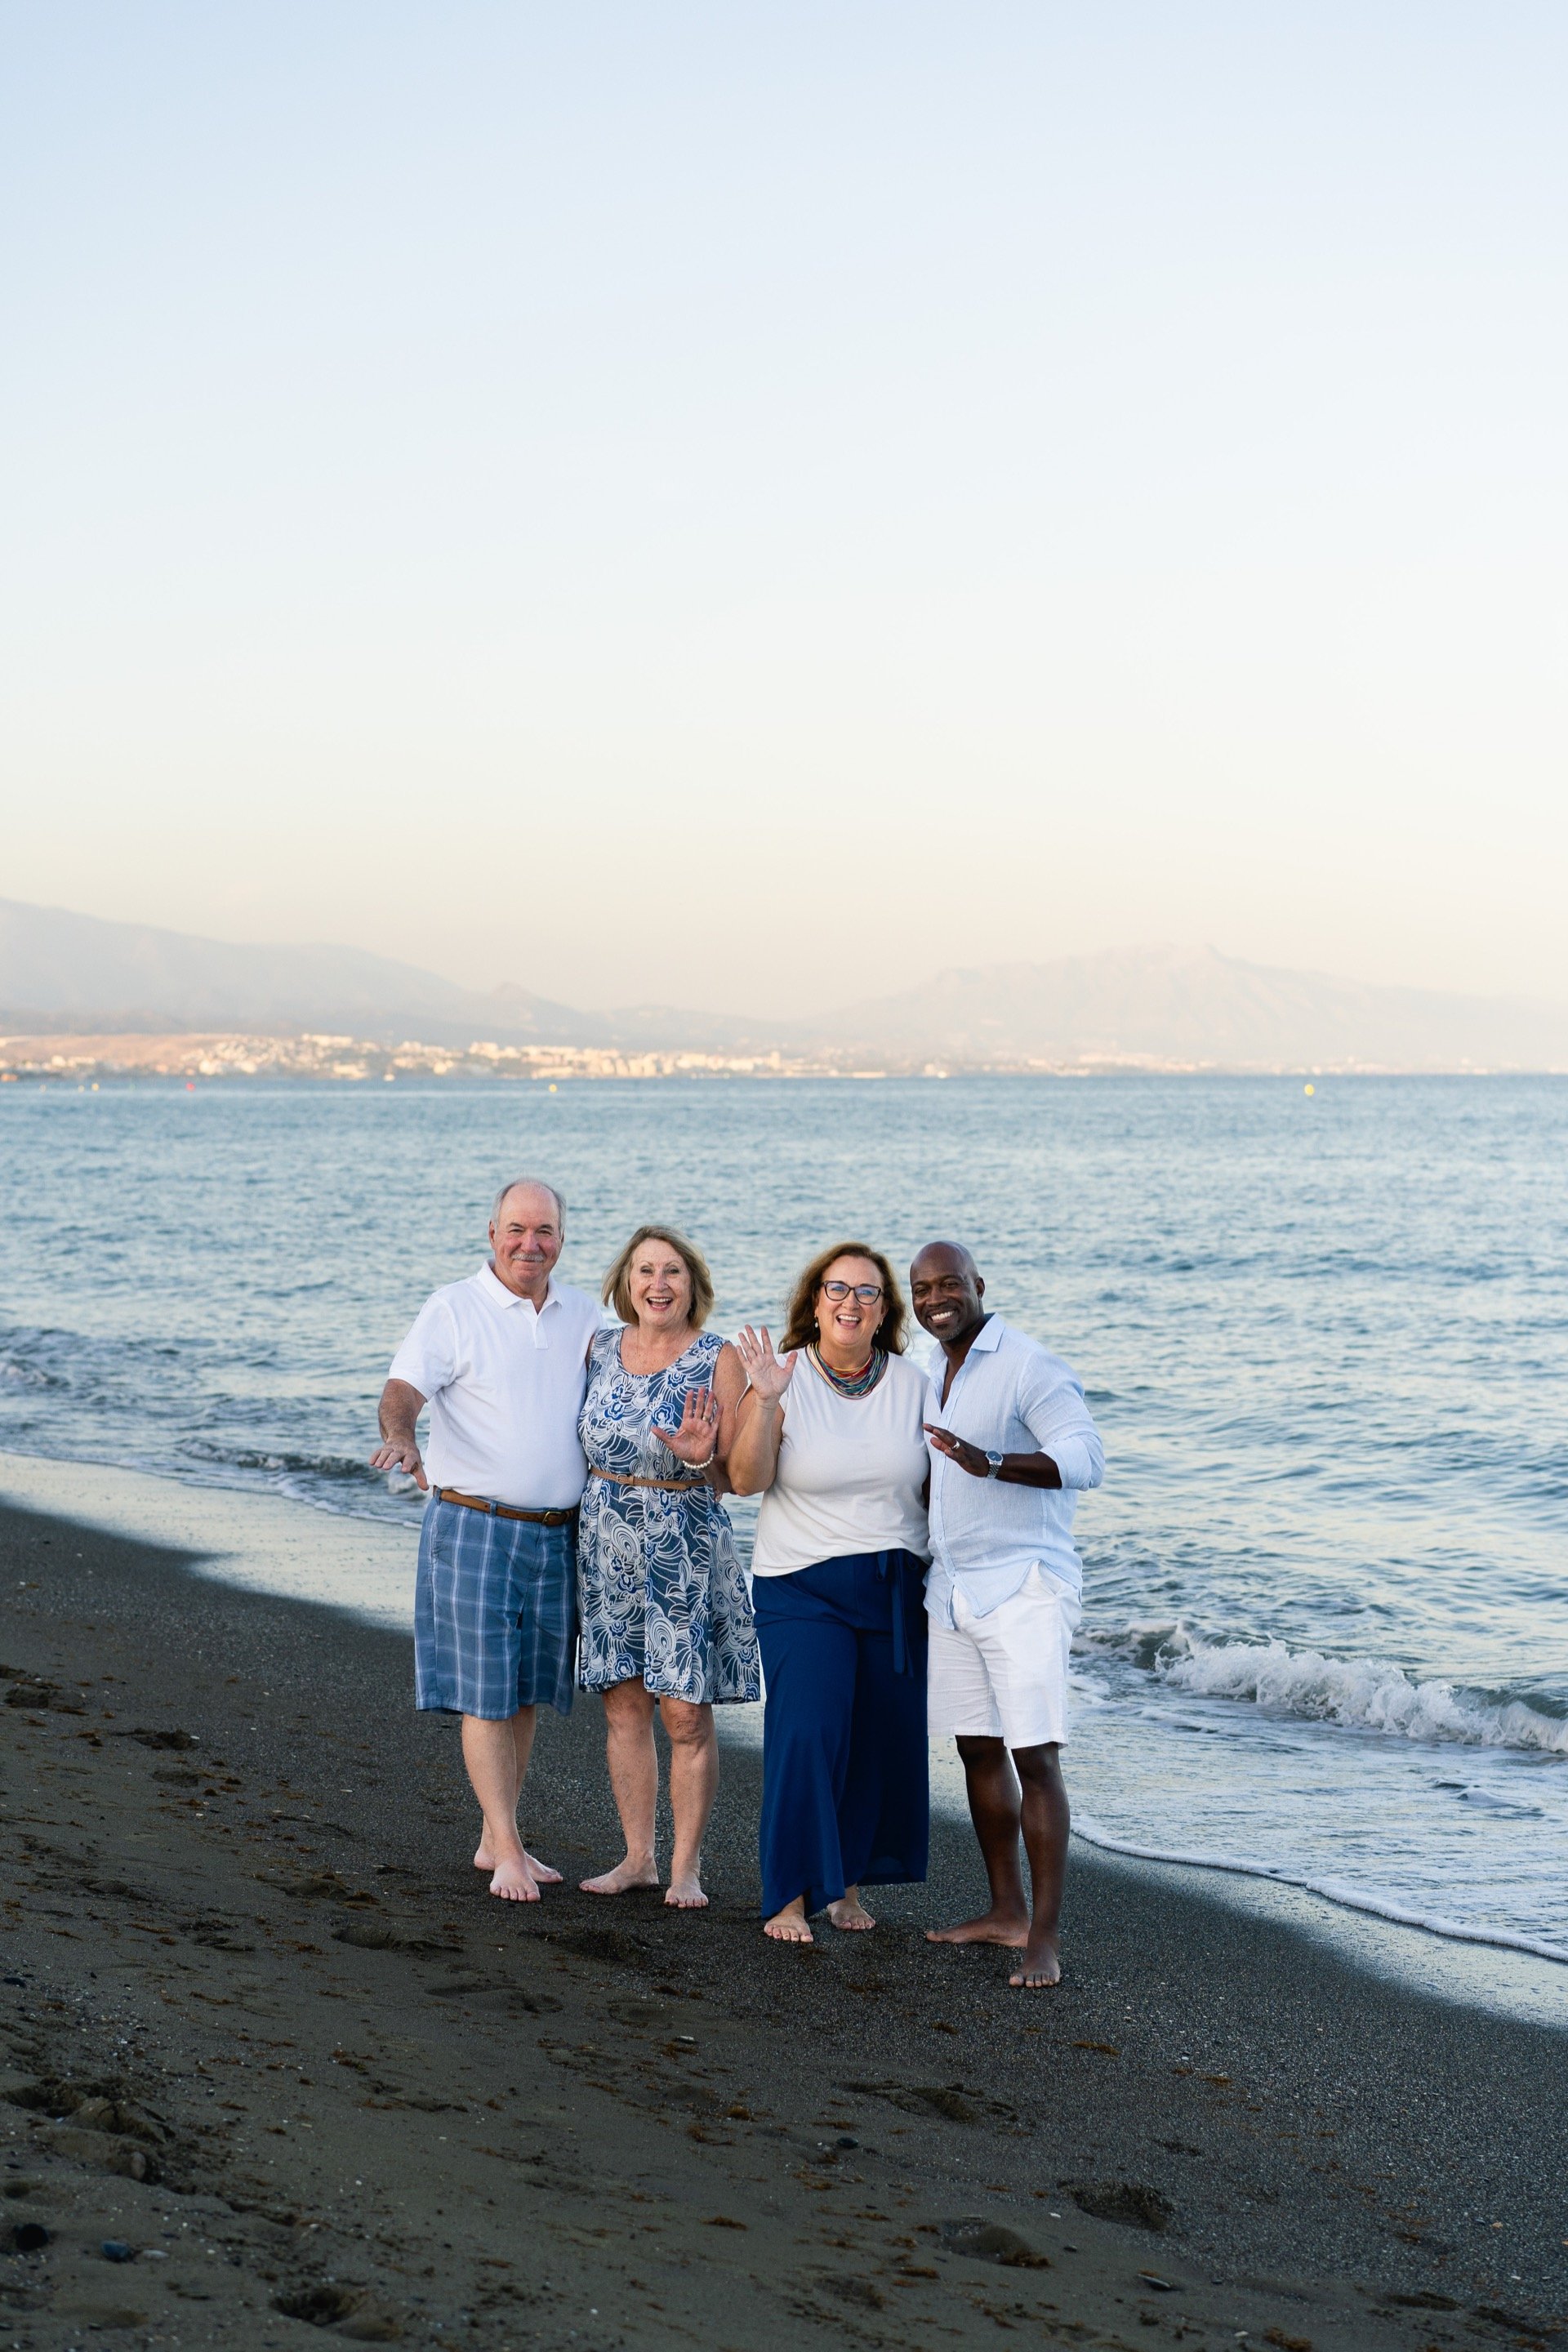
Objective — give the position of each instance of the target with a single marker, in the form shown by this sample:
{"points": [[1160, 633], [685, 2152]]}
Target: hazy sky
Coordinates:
{"points": [[747, 504]]}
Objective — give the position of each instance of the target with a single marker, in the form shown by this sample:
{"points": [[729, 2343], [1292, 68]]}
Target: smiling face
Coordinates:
{"points": [[526, 1238], [660, 1282], [847, 1327], [947, 1293]]}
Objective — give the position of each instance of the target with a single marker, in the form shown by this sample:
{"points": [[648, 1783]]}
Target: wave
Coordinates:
{"points": [[246, 1457], [1363, 1694], [1332, 1890]]}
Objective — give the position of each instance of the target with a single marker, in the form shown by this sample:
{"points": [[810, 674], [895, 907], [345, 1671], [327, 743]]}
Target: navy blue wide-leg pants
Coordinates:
{"points": [[846, 1796]]}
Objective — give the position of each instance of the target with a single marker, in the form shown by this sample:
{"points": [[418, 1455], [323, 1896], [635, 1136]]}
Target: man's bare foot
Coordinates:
{"points": [[485, 1860], [514, 1882], [849, 1913], [790, 1926], [1040, 1967], [686, 1894], [624, 1876], [991, 1928]]}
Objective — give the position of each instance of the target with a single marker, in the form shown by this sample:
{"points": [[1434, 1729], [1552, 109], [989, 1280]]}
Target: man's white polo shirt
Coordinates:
{"points": [[505, 1384]]}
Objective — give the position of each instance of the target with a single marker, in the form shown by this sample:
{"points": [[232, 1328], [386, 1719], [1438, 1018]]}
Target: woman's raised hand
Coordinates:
{"points": [[697, 1439], [767, 1373]]}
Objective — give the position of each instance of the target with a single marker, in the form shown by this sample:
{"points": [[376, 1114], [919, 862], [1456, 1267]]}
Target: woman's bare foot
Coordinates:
{"points": [[514, 1882], [686, 1894], [790, 1924], [991, 1928], [485, 1860], [624, 1876], [849, 1913], [1040, 1967]]}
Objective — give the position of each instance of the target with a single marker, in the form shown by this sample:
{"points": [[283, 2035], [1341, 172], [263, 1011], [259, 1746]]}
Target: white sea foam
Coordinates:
{"points": [[1332, 1890], [1366, 1693]]}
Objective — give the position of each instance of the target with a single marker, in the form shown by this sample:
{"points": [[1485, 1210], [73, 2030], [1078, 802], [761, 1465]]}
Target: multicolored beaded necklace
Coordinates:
{"points": [[851, 1384]]}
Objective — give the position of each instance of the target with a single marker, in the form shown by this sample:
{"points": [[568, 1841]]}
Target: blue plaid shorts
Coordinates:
{"points": [[495, 1613]]}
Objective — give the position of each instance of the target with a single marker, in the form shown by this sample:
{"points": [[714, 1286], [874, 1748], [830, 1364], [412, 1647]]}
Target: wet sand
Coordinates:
{"points": [[266, 2035]]}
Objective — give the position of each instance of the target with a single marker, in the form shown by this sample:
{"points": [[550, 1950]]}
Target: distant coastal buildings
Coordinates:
{"points": [[317, 1054]]}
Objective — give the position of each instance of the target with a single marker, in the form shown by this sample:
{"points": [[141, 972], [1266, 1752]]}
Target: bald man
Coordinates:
{"points": [[501, 1360], [1011, 1446]]}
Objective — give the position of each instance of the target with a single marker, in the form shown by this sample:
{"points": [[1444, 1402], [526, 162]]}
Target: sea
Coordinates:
{"points": [[1323, 1329]]}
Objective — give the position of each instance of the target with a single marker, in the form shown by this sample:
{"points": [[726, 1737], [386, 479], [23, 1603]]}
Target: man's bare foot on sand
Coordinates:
{"points": [[485, 1860], [991, 1928], [849, 1913], [686, 1894], [790, 1926], [514, 1882], [624, 1876], [1039, 1968]]}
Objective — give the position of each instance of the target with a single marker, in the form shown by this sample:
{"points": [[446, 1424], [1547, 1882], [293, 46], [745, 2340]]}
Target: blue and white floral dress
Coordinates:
{"points": [[661, 1594]]}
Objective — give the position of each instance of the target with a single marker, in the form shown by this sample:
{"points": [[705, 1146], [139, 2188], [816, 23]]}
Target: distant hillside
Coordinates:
{"points": [[61, 971], [1196, 1006], [1154, 1006]]}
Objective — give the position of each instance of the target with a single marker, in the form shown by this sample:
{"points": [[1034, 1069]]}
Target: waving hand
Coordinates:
{"points": [[768, 1374], [697, 1439]]}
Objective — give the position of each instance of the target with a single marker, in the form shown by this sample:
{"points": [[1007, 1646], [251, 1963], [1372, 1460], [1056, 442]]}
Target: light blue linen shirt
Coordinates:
{"points": [[1008, 1396]]}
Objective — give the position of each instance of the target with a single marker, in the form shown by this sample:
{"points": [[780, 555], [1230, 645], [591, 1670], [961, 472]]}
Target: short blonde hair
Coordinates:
{"points": [[800, 1316], [617, 1289]]}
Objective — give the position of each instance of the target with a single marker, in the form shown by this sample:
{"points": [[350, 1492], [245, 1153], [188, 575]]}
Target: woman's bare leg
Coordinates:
{"points": [[633, 1781], [693, 1784]]}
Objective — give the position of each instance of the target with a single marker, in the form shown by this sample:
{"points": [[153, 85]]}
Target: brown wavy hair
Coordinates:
{"points": [[800, 1316], [617, 1289]]}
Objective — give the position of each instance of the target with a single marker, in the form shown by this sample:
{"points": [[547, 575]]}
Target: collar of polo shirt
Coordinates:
{"points": [[496, 1289]]}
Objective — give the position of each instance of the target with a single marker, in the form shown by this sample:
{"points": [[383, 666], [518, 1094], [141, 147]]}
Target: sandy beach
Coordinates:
{"points": [[298, 2072]]}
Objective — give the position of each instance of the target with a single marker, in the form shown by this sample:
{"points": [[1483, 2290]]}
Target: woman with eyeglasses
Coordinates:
{"points": [[830, 1433]]}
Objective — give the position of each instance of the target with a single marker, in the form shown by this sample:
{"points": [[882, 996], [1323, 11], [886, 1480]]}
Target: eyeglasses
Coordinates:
{"points": [[864, 1291]]}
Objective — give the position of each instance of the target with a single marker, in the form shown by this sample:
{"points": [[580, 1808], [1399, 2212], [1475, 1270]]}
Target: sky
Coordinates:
{"points": [[746, 506]]}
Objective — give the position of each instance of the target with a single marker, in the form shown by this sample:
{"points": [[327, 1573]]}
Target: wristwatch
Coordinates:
{"points": [[996, 1460]]}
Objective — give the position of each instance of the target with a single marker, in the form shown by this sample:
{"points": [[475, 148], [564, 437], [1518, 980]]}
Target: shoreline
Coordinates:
{"points": [[253, 1066], [364, 1563]]}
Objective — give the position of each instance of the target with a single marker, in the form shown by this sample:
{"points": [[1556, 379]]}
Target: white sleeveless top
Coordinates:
{"points": [[850, 1472]]}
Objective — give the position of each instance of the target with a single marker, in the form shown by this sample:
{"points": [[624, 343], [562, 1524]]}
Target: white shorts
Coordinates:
{"points": [[1004, 1676]]}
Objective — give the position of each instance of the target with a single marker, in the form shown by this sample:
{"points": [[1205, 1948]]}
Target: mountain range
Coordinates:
{"points": [[1158, 1006]]}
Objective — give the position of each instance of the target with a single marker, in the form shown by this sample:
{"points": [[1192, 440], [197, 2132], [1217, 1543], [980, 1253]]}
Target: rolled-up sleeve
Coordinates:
{"points": [[427, 1359], [1058, 1421]]}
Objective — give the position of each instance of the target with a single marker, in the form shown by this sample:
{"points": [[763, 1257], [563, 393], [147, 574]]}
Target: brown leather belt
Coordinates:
{"points": [[504, 1511], [667, 1486]]}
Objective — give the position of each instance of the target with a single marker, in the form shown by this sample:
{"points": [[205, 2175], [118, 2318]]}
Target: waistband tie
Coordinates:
{"points": [[892, 1564]]}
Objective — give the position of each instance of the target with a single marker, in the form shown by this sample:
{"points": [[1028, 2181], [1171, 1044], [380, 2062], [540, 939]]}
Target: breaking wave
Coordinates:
{"points": [[1363, 1694]]}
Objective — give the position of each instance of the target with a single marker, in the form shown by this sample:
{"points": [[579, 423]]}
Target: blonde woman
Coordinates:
{"points": [[666, 1626], [831, 1434]]}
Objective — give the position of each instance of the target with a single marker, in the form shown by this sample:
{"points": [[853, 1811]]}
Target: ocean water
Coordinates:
{"points": [[1326, 1339]]}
